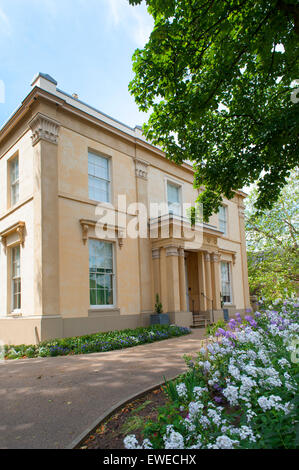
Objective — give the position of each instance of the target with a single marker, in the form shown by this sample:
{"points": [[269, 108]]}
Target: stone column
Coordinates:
{"points": [[173, 280], [182, 276], [216, 281], [156, 273], [46, 217], [163, 280], [244, 257], [208, 277], [144, 243], [201, 281]]}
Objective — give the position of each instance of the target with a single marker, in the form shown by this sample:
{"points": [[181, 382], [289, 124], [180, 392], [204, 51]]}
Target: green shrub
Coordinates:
{"points": [[98, 342]]}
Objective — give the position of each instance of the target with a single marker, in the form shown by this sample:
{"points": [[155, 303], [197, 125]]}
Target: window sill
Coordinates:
{"points": [[15, 314], [103, 311]]}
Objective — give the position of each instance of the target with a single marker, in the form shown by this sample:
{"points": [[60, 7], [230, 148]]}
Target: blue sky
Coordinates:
{"points": [[86, 45]]}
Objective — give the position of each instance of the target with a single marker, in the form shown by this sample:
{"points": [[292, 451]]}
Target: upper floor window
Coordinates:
{"points": [[101, 273], [14, 181], [16, 278], [174, 198], [226, 286], [98, 178], [223, 219]]}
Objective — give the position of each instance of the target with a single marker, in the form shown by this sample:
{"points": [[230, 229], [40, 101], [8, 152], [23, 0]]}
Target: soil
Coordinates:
{"points": [[129, 420]]}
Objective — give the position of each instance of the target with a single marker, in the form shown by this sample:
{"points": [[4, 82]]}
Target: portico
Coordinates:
{"points": [[186, 271]]}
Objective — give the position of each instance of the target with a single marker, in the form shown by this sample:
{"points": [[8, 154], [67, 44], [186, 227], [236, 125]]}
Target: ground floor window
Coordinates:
{"points": [[101, 273], [226, 287], [16, 278]]}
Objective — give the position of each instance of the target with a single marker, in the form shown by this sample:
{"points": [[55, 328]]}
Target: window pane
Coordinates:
{"points": [[98, 178], [101, 272], [16, 278], [225, 282], [173, 193]]}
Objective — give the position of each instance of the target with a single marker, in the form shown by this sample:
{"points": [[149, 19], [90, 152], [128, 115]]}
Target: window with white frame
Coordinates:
{"points": [[14, 181], [226, 285], [223, 219], [98, 177], [16, 278], [101, 273], [174, 198]]}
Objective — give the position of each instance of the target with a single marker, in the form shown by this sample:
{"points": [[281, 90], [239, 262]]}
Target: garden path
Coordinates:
{"points": [[47, 403]]}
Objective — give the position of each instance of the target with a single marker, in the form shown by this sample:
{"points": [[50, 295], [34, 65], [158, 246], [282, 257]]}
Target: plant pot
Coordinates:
{"points": [[225, 314], [160, 319]]}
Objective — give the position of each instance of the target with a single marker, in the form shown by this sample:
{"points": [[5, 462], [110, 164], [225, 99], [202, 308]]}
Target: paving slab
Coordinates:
{"points": [[46, 403]]}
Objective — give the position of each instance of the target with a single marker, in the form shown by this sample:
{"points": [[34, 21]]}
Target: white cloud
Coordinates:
{"points": [[5, 25], [136, 21]]}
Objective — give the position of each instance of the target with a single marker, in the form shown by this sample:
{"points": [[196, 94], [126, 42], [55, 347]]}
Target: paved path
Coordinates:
{"points": [[49, 402]]}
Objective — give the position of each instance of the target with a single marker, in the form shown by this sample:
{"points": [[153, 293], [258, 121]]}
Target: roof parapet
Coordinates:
{"points": [[44, 81]]}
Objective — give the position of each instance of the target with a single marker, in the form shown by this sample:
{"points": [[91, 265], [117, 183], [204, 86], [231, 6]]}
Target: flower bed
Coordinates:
{"points": [[242, 392], [99, 342]]}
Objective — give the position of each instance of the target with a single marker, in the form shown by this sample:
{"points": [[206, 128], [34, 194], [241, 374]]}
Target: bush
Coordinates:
{"points": [[239, 393], [98, 342]]}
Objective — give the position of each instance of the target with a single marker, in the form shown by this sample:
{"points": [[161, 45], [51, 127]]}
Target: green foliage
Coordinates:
{"points": [[218, 78], [211, 329], [272, 243], [158, 305], [98, 342], [272, 427]]}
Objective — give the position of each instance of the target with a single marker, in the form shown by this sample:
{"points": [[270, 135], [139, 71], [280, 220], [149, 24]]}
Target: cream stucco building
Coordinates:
{"points": [[72, 265]]}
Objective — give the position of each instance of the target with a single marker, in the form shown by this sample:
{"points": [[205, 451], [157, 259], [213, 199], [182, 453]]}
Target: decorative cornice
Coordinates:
{"points": [[241, 208], [156, 253], [141, 168], [86, 224], [44, 128], [18, 228], [172, 250]]}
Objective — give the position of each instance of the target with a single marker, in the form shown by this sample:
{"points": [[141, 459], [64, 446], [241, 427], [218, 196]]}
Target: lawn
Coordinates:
{"points": [[241, 392], [98, 342]]}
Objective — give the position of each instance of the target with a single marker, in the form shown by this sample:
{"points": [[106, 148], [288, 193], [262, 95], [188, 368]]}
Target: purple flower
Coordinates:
{"points": [[220, 332], [218, 399]]}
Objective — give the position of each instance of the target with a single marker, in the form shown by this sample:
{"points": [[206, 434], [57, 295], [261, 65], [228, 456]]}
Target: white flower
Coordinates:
{"points": [[231, 394], [268, 403], [194, 409], [130, 442], [224, 442], [173, 440], [147, 444], [182, 390], [198, 391]]}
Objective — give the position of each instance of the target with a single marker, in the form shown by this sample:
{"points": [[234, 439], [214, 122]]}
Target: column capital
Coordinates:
{"points": [[207, 256], [181, 252], [141, 168], [156, 253], [172, 250], [44, 128], [215, 258]]}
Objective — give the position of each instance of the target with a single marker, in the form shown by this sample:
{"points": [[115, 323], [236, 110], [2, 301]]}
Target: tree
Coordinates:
{"points": [[272, 243], [219, 78]]}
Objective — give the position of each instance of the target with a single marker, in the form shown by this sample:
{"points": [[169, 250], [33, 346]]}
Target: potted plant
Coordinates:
{"points": [[159, 318]]}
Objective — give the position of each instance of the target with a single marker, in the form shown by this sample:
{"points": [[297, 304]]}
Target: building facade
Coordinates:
{"points": [[94, 223]]}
